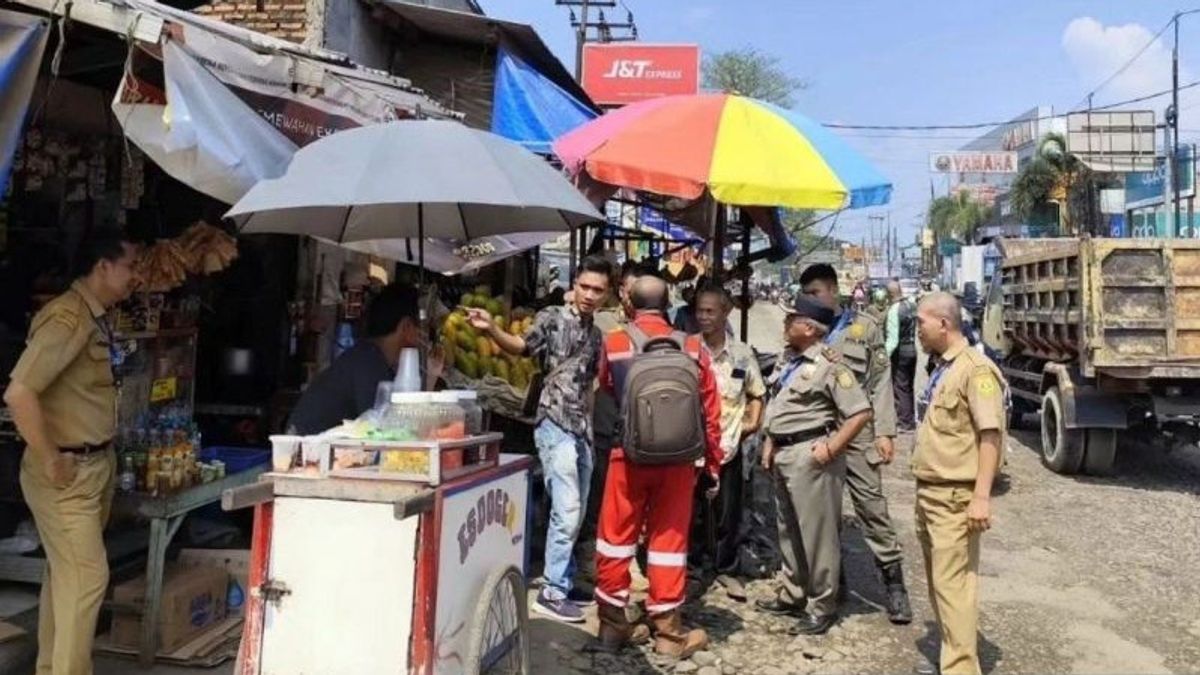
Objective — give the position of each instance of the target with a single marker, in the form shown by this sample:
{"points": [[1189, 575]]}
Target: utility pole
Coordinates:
{"points": [[604, 33], [1173, 120], [603, 27]]}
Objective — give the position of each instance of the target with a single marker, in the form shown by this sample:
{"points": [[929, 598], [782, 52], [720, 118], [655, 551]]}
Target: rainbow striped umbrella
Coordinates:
{"points": [[742, 151]]}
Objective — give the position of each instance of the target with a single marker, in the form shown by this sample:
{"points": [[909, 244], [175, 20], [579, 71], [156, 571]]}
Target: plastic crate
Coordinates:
{"points": [[236, 460]]}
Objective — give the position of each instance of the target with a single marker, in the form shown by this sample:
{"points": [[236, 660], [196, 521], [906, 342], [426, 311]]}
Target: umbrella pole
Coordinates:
{"points": [[745, 329], [718, 254]]}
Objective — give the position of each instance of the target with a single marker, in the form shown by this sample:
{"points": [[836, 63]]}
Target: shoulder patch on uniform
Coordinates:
{"points": [[858, 329], [844, 379], [985, 385]]}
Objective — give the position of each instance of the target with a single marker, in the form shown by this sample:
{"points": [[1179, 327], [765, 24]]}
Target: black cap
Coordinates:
{"points": [[821, 271], [811, 309]]}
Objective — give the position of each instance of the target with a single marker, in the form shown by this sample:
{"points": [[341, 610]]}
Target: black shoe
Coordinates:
{"points": [[898, 608], [843, 587], [925, 668], [813, 625], [779, 607]]}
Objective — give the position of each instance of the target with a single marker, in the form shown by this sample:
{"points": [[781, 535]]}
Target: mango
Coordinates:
{"points": [[483, 289], [501, 369], [468, 364], [485, 365], [465, 341], [483, 347], [494, 307]]}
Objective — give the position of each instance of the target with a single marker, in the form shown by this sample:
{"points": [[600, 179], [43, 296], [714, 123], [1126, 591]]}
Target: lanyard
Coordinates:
{"points": [[115, 356], [785, 378], [927, 395], [843, 321]]}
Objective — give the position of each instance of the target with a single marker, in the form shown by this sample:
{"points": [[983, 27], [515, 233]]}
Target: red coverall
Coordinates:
{"points": [[656, 497]]}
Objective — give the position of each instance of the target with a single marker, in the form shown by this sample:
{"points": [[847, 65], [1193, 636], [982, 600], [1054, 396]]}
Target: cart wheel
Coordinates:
{"points": [[499, 638]]}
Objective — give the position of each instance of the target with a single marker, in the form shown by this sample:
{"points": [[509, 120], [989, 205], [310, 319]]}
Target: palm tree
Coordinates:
{"points": [[1055, 176], [957, 216]]}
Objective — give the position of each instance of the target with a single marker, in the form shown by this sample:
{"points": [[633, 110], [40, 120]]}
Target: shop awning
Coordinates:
{"points": [[22, 41], [530, 108]]}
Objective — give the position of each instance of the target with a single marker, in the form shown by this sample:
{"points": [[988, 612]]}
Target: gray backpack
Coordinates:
{"points": [[662, 418]]}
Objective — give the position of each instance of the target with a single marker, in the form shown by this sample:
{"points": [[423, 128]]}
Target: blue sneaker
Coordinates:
{"points": [[561, 609]]}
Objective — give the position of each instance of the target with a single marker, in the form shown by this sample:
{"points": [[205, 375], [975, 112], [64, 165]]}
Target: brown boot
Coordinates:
{"points": [[672, 639], [616, 631]]}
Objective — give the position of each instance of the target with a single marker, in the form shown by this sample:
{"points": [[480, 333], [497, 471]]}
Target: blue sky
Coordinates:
{"points": [[922, 62]]}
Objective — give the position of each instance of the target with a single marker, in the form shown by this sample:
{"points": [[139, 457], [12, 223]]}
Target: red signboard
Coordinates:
{"points": [[616, 74]]}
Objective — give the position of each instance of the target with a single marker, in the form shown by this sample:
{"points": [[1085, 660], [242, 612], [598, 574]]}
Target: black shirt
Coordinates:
{"points": [[343, 391]]}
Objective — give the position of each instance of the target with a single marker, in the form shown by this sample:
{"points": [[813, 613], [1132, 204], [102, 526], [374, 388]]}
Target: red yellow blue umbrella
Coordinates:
{"points": [[740, 150]]}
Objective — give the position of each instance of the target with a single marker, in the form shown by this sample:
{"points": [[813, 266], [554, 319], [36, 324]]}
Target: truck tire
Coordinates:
{"points": [[1062, 448], [1101, 455]]}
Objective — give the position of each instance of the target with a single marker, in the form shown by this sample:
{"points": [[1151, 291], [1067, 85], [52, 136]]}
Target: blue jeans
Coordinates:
{"points": [[567, 468]]}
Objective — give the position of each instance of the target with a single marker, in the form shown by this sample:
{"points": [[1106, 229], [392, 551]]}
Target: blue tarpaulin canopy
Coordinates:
{"points": [[530, 108], [22, 41]]}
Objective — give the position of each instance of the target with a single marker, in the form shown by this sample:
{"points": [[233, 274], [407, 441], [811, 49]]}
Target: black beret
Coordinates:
{"points": [[820, 271], [811, 309]]}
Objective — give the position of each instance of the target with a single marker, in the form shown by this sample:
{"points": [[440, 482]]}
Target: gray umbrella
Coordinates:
{"points": [[408, 179]]}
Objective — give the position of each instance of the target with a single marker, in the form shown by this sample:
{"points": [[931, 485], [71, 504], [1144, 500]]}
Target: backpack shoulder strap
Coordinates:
{"points": [[637, 336]]}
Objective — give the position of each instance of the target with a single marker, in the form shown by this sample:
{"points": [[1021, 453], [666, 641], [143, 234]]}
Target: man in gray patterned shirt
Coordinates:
{"points": [[567, 345]]}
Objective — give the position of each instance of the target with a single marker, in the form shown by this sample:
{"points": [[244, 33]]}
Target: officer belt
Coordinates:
{"points": [[88, 449], [784, 440]]}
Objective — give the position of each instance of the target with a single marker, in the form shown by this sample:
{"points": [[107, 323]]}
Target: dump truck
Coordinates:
{"points": [[1101, 337]]}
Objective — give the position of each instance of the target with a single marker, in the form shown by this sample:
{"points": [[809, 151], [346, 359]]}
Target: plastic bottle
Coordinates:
{"points": [[468, 400], [345, 339], [128, 480]]}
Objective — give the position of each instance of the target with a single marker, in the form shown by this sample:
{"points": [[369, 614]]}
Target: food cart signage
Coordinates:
{"points": [[482, 530], [493, 508]]}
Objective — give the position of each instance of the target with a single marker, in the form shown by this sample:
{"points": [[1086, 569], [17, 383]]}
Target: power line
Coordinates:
{"points": [[1128, 63], [986, 125]]}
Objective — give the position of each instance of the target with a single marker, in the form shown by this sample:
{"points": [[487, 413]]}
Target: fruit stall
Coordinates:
{"points": [[475, 361]]}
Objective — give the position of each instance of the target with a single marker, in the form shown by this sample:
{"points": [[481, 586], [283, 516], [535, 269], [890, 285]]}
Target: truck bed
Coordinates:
{"points": [[1126, 308]]}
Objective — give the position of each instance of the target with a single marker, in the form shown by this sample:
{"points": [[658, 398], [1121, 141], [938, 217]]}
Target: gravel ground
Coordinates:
{"points": [[1079, 575]]}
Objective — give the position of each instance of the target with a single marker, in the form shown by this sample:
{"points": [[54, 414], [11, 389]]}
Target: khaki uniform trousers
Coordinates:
{"points": [[70, 523], [809, 520], [864, 481], [952, 571]]}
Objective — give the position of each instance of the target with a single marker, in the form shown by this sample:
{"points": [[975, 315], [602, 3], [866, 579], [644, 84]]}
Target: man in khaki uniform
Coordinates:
{"points": [[62, 396], [955, 460], [817, 410], [858, 338]]}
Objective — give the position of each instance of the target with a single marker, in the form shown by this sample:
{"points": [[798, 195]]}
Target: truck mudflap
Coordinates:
{"points": [[1085, 406]]}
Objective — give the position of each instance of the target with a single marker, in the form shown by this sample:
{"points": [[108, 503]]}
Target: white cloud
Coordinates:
{"points": [[1097, 51]]}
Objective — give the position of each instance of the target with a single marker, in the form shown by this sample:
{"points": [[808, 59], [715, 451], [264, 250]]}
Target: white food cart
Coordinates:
{"points": [[362, 575]]}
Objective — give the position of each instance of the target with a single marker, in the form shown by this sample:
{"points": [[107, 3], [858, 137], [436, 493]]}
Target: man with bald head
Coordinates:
{"points": [[955, 461], [655, 497], [900, 343]]}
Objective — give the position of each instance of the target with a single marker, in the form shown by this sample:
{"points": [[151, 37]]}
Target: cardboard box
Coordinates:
{"points": [[193, 598], [236, 561]]}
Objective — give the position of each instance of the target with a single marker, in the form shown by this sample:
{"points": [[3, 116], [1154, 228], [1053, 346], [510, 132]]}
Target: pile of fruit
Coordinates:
{"points": [[478, 356]]}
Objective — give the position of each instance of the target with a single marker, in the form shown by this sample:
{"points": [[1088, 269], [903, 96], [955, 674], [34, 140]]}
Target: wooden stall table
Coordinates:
{"points": [[166, 515]]}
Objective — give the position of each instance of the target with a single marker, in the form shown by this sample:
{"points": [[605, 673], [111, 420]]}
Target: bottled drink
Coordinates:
{"points": [[128, 480]]}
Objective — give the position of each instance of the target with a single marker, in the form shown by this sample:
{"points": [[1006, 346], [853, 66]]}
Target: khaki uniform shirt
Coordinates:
{"points": [[861, 345], [738, 380], [969, 399], [66, 363], [815, 393]]}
